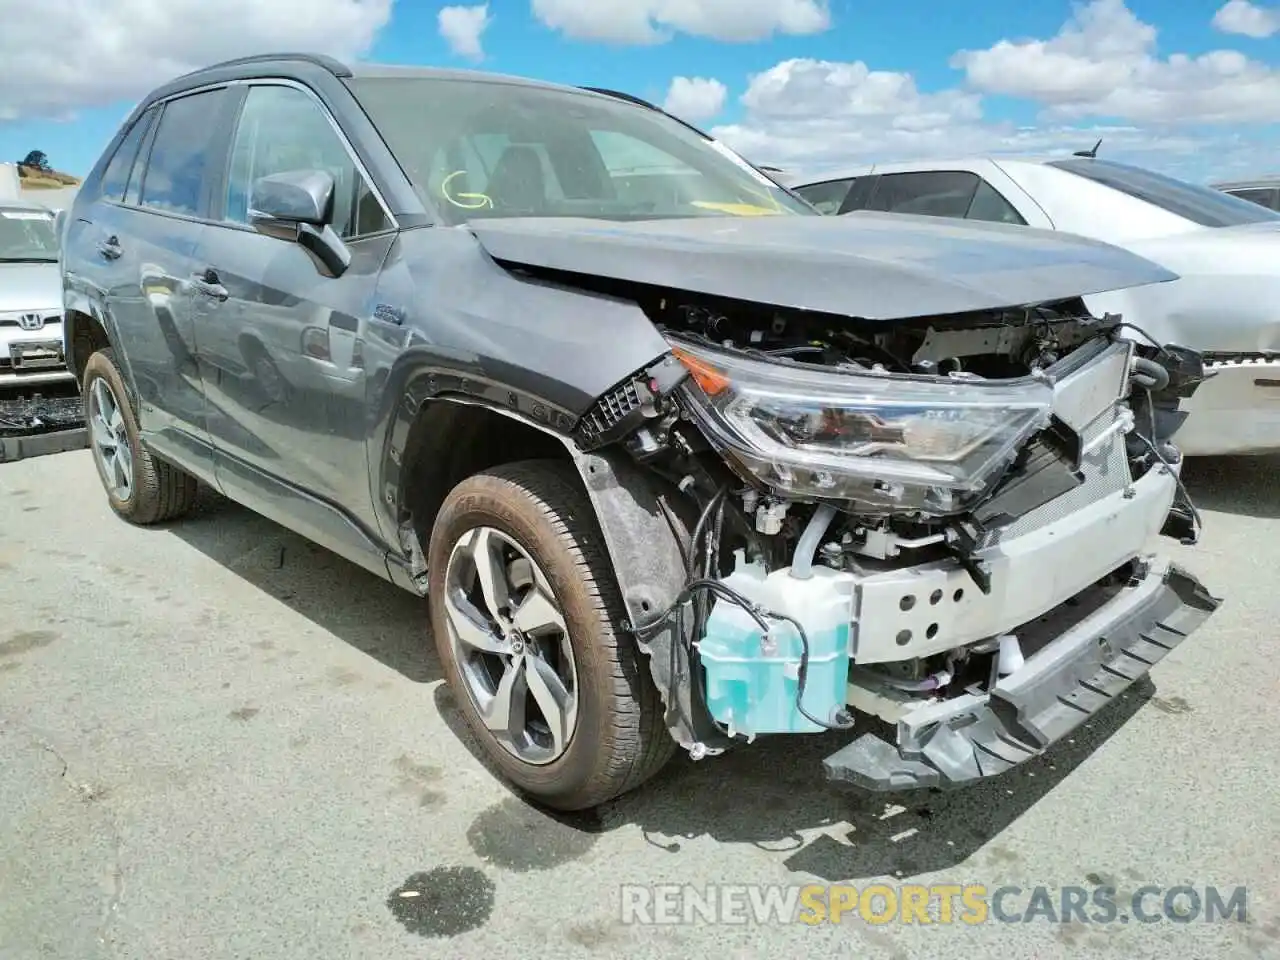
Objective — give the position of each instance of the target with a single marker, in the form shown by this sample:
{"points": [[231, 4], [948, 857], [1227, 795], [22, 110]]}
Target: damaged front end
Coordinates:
{"points": [[938, 522]]}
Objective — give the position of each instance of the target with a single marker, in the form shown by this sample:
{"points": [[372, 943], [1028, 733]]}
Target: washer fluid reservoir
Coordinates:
{"points": [[752, 677]]}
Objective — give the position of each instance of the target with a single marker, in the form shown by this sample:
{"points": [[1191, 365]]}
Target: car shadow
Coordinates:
{"points": [[772, 795], [1244, 486], [369, 613]]}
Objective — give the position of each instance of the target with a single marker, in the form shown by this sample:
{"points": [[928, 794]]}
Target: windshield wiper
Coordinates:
{"points": [[28, 259]]}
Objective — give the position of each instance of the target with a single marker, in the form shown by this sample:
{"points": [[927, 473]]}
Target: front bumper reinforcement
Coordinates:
{"points": [[1066, 682]]}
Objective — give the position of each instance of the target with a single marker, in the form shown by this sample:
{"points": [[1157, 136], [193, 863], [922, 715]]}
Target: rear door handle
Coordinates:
{"points": [[110, 248], [206, 281]]}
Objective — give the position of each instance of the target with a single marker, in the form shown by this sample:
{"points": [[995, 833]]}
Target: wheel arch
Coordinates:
{"points": [[83, 335], [449, 439], [645, 527]]}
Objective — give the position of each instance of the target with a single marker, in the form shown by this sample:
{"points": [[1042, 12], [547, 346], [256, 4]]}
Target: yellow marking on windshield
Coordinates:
{"points": [[737, 209], [478, 200]]}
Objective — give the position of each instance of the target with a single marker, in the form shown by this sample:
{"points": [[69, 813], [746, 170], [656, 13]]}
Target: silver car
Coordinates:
{"points": [[30, 296]]}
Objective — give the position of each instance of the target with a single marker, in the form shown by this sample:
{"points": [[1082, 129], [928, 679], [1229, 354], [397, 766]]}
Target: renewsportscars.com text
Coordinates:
{"points": [[814, 904]]}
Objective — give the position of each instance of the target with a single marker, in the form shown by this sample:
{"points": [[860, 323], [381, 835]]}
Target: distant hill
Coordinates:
{"points": [[33, 178]]}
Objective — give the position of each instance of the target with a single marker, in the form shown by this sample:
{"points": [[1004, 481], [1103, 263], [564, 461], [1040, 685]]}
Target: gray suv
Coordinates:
{"points": [[676, 461]]}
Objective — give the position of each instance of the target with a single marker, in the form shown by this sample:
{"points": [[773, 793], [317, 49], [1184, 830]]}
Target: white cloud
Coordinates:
{"points": [[808, 89], [463, 27], [64, 55], [814, 111], [695, 98], [809, 116], [656, 21], [1103, 63], [1247, 19]]}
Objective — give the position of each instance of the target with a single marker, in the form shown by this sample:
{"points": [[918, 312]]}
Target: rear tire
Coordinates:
{"points": [[155, 490], [537, 513]]}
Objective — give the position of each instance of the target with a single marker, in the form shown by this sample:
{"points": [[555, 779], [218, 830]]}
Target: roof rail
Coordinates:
{"points": [[337, 68], [632, 98]]}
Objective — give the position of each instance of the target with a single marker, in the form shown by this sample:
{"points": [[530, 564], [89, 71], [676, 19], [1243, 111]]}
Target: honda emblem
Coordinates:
{"points": [[31, 321]]}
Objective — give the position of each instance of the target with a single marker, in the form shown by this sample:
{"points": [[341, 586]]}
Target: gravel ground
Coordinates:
{"points": [[219, 741]]}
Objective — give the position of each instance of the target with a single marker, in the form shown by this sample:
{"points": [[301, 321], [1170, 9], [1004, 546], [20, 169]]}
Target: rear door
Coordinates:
{"points": [[281, 343], [141, 235]]}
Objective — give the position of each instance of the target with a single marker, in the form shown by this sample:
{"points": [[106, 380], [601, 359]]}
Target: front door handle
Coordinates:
{"points": [[110, 248], [206, 281]]}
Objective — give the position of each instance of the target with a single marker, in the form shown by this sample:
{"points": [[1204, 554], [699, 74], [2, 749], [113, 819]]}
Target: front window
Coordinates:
{"points": [[492, 149], [27, 236], [281, 129], [1202, 205]]}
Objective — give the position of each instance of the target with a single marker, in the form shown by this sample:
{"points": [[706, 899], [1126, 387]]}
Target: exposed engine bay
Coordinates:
{"points": [[921, 483], [1003, 344]]}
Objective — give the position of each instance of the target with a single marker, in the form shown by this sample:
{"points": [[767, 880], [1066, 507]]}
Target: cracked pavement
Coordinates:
{"points": [[219, 741]]}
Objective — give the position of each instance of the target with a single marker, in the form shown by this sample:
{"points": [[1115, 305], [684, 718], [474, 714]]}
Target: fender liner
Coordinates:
{"points": [[648, 561]]}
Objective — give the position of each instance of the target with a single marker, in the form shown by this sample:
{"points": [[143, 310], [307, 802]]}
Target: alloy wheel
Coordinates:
{"points": [[508, 637], [110, 440]]}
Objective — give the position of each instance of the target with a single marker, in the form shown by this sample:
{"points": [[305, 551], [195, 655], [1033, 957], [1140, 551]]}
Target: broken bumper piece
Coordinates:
{"points": [[1067, 681]]}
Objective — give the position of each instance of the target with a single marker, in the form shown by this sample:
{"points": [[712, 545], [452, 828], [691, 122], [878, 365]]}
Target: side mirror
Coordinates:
{"points": [[297, 206], [298, 196]]}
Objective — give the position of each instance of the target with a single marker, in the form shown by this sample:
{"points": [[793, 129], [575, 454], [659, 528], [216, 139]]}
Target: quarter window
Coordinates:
{"points": [[826, 197], [116, 177], [133, 193], [989, 205], [281, 130], [180, 154]]}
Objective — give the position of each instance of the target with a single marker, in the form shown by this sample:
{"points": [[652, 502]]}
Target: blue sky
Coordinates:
{"points": [[1188, 86]]}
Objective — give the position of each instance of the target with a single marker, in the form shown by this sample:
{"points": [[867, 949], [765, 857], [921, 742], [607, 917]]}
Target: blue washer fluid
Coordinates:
{"points": [[752, 677]]}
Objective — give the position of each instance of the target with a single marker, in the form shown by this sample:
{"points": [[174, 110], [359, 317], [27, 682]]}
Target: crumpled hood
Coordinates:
{"points": [[870, 265], [30, 286]]}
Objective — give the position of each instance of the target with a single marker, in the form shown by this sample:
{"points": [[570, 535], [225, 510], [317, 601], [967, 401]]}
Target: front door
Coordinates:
{"points": [[279, 341]]}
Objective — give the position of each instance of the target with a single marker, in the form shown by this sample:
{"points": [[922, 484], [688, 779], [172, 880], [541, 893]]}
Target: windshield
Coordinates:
{"points": [[491, 149], [27, 235], [1202, 205]]}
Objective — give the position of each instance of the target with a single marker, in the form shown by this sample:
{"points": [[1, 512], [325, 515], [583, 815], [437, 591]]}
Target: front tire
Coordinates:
{"points": [[140, 488], [527, 621]]}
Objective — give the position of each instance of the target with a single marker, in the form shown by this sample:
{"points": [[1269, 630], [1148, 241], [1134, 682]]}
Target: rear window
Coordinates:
{"points": [[1202, 205]]}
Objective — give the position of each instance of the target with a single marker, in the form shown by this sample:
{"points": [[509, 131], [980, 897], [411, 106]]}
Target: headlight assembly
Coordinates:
{"points": [[890, 442]]}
